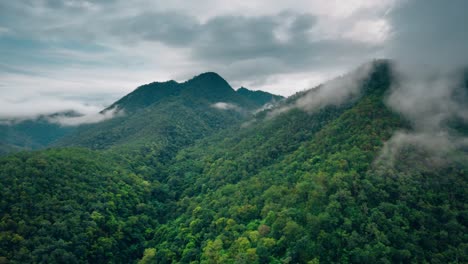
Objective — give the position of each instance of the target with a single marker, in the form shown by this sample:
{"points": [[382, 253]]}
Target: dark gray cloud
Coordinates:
{"points": [[246, 48], [170, 28], [226, 39], [430, 32]]}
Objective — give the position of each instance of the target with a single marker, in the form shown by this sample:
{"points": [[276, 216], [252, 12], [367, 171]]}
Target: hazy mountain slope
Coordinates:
{"points": [[31, 134], [173, 101], [7, 149]]}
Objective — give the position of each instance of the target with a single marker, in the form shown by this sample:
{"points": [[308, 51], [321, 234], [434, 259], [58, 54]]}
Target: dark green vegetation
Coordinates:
{"points": [[198, 184], [74, 205]]}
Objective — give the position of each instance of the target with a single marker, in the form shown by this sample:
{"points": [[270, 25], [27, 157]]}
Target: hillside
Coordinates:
{"points": [[178, 180]]}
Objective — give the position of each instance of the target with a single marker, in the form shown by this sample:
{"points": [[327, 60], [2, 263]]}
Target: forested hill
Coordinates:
{"points": [[208, 86], [157, 112], [168, 116], [307, 181]]}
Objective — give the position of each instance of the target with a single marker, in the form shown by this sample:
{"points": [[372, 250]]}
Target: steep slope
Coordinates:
{"points": [[146, 95], [302, 188]]}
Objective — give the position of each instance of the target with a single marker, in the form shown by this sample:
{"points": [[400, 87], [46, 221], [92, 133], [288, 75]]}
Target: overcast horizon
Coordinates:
{"points": [[83, 55]]}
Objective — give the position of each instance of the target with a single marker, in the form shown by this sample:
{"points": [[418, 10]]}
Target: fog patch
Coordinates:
{"points": [[432, 101], [334, 92], [267, 106], [33, 108], [52, 110], [226, 106], [65, 120]]}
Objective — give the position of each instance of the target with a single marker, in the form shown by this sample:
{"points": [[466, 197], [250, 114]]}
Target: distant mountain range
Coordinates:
{"points": [[151, 107]]}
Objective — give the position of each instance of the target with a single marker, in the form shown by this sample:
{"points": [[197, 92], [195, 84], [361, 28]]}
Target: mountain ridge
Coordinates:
{"points": [[186, 182], [206, 88]]}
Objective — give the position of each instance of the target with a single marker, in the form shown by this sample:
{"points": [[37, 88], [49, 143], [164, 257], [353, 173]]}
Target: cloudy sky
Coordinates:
{"points": [[83, 54]]}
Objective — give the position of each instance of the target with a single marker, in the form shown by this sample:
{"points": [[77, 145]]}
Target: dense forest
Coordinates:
{"points": [[178, 180]]}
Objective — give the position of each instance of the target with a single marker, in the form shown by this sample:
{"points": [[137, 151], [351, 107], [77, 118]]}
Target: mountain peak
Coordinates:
{"points": [[209, 85], [146, 95], [209, 77]]}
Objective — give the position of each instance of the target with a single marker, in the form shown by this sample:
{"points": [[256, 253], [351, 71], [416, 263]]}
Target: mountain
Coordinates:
{"points": [[162, 102], [208, 86], [305, 181], [169, 115], [146, 95]]}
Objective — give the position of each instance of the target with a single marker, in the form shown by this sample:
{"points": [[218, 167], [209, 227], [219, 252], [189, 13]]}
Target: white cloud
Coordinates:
{"points": [[334, 92], [90, 118], [431, 101], [34, 107], [55, 110], [226, 106]]}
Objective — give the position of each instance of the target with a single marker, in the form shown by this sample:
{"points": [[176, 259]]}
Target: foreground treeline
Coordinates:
{"points": [[299, 187]]}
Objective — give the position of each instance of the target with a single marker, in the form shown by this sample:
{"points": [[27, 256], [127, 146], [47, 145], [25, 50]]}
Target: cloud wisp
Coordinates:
{"points": [[433, 102], [226, 106], [59, 111], [84, 119], [430, 89], [334, 92]]}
